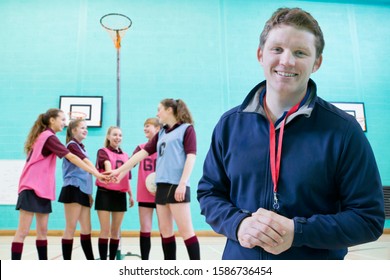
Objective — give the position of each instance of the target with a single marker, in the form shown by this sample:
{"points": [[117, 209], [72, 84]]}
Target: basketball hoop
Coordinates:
{"points": [[116, 25], [76, 115]]}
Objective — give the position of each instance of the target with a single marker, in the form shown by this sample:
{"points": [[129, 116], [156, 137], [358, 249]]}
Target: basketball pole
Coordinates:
{"points": [[118, 87], [118, 115], [119, 255], [115, 25]]}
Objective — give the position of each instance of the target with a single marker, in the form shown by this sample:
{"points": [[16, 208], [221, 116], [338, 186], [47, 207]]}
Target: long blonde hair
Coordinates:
{"points": [[40, 125], [106, 141]]}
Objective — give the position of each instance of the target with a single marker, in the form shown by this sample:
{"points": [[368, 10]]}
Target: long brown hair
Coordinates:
{"points": [[42, 122], [180, 110], [72, 125]]}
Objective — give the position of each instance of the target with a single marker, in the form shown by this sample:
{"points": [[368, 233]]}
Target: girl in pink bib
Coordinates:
{"points": [[110, 201], [37, 182], [145, 199]]}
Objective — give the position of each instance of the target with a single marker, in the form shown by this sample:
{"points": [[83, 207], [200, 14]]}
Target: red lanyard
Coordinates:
{"points": [[275, 156]]}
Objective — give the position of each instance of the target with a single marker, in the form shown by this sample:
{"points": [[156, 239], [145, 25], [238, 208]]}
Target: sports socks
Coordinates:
{"points": [[145, 244], [86, 244], [103, 248], [42, 249], [67, 247], [16, 250], [193, 249], [114, 244], [103, 245], [169, 247]]}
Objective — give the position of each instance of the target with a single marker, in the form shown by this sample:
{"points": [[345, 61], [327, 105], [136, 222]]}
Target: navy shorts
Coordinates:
{"points": [[166, 194], [147, 204], [29, 201], [109, 200], [73, 194]]}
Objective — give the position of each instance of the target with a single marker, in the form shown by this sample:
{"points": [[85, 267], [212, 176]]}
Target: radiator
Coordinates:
{"points": [[386, 192]]}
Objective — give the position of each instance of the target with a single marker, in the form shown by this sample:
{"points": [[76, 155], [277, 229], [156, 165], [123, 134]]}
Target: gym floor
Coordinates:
{"points": [[211, 249]]}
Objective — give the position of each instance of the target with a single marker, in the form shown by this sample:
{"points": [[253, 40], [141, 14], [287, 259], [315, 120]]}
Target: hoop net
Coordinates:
{"points": [[116, 25], [76, 115]]}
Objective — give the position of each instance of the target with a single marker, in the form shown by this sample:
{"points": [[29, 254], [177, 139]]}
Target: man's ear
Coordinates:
{"points": [[317, 64], [260, 55]]}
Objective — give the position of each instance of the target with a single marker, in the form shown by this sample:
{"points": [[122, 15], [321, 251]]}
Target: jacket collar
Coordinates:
{"points": [[253, 103]]}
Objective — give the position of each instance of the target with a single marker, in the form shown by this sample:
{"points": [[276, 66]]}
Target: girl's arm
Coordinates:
{"points": [[185, 176], [107, 165], [188, 166], [128, 165], [86, 167], [89, 163], [131, 200]]}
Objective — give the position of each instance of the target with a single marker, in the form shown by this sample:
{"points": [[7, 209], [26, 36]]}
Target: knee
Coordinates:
{"points": [[85, 230], [146, 226], [69, 233], [115, 234], [186, 235], [104, 233], [42, 232], [21, 234], [166, 231]]}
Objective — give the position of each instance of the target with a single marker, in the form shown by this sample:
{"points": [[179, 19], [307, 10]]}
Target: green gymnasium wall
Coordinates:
{"points": [[202, 51]]}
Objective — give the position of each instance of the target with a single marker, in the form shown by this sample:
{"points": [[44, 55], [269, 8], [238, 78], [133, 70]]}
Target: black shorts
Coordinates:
{"points": [[109, 200], [166, 194], [73, 194], [29, 201], [147, 204]]}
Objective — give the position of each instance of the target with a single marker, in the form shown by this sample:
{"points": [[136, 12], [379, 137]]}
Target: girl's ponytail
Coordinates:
{"points": [[180, 110], [40, 125], [183, 113]]}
